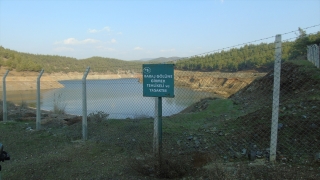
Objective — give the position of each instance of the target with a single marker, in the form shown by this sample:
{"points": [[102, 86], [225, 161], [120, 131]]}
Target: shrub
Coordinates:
{"points": [[23, 105], [98, 116], [58, 106]]}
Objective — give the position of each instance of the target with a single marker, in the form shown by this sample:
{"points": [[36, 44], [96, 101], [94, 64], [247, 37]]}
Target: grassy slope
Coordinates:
{"points": [[206, 131]]}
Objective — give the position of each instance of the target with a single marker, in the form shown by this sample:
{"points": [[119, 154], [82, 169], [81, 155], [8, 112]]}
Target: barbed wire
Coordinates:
{"points": [[272, 48], [264, 50], [269, 48], [137, 67], [250, 42]]}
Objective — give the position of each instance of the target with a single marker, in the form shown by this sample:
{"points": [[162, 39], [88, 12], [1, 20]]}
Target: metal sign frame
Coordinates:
{"points": [[158, 80]]}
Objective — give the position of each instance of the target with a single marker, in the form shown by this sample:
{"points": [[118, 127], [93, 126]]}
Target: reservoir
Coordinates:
{"points": [[121, 98]]}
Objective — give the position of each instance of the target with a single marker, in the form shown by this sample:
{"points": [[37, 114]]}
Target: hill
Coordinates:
{"points": [[158, 60], [298, 110], [258, 57], [163, 60], [31, 62], [211, 139], [53, 63], [249, 57]]}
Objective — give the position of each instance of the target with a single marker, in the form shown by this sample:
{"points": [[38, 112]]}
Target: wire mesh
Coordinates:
{"points": [[214, 116]]}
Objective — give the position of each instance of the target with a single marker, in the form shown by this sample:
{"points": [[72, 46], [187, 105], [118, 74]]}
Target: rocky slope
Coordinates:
{"points": [[223, 84]]}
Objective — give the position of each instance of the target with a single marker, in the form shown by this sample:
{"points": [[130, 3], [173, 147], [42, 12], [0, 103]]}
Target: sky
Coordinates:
{"points": [[139, 29]]}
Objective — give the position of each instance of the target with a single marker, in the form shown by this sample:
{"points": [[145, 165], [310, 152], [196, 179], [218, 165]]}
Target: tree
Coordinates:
{"points": [[299, 49]]}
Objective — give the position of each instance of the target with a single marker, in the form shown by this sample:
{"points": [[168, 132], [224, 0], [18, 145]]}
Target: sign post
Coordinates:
{"points": [[158, 82], [157, 127]]}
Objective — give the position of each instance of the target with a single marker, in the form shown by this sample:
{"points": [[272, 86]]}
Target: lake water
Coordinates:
{"points": [[121, 98]]}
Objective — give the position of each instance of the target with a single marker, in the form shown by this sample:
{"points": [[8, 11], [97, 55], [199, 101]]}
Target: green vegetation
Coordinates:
{"points": [[249, 57], [98, 116], [162, 60], [299, 47], [196, 144], [30, 62], [205, 141]]}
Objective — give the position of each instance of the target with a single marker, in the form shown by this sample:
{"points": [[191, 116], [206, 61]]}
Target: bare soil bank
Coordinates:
{"points": [[28, 80], [223, 84]]}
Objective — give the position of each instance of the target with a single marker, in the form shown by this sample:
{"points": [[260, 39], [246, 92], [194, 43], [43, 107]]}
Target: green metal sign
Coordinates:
{"points": [[158, 80]]}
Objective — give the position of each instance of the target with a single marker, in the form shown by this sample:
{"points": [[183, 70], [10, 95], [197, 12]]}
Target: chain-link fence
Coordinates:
{"points": [[214, 116]]}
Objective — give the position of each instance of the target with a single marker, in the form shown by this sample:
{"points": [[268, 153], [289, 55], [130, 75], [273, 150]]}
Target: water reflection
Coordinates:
{"points": [[121, 98], [17, 97]]}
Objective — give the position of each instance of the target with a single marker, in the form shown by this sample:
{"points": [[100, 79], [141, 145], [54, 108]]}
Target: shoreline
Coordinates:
{"points": [[220, 83]]}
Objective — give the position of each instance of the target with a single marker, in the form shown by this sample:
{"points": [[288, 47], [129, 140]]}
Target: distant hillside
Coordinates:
{"points": [[31, 62], [145, 59], [53, 63], [258, 57], [237, 59], [163, 59]]}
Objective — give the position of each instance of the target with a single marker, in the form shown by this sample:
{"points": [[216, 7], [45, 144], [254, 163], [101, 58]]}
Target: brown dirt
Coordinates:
{"points": [[298, 113], [221, 83], [28, 80]]}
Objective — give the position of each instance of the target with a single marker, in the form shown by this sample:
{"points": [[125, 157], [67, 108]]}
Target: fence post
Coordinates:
{"points": [[313, 54], [316, 55], [38, 124], [157, 127], [84, 106], [275, 105], [4, 97], [309, 53]]}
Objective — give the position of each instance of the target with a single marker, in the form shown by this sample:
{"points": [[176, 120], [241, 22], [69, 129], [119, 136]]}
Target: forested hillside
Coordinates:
{"points": [[248, 57], [163, 60], [31, 62]]}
